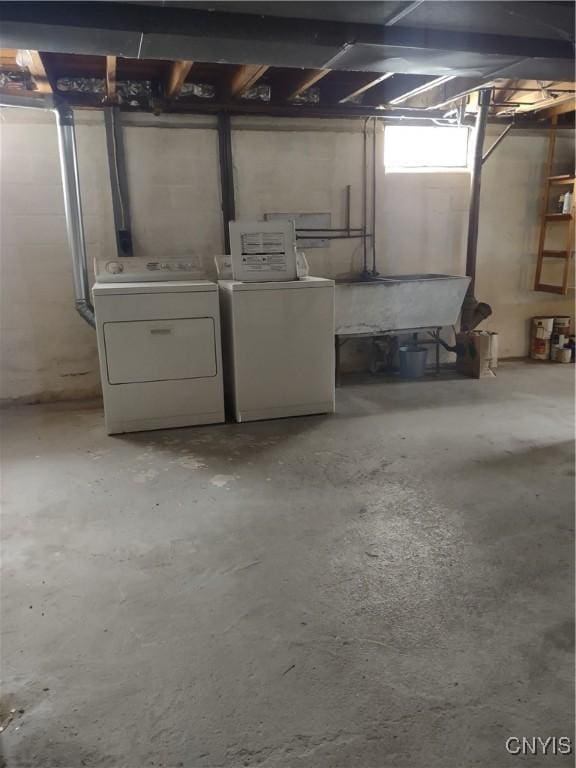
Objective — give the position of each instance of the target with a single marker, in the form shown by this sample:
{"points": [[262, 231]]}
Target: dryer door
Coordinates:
{"points": [[160, 350]]}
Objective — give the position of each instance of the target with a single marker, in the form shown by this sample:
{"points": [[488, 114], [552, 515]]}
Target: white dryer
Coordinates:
{"points": [[160, 354], [278, 340]]}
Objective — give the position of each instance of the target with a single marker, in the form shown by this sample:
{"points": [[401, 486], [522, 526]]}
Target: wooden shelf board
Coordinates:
{"points": [[558, 216], [549, 254], [549, 288], [562, 180]]}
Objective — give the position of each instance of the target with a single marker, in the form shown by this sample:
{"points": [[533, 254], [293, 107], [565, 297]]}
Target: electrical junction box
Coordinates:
{"points": [[263, 251]]}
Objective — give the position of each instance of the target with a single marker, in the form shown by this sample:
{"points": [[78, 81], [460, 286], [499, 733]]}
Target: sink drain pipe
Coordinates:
{"points": [[71, 188]]}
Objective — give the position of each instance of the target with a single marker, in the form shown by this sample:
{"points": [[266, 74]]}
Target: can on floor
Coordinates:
{"points": [[541, 333], [540, 349], [562, 326]]}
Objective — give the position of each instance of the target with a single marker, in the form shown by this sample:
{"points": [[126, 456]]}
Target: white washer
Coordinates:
{"points": [[160, 354], [278, 341]]}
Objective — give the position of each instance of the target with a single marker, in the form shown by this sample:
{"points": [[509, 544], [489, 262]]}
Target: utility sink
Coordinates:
{"points": [[383, 303]]}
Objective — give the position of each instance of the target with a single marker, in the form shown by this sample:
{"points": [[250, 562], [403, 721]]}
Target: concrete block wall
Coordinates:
{"points": [[48, 352], [174, 188], [508, 236]]}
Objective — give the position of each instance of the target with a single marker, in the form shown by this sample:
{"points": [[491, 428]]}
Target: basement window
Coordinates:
{"points": [[425, 148]]}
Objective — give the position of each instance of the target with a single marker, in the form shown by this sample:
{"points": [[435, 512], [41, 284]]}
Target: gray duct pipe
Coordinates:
{"points": [[118, 181], [71, 188], [73, 208], [484, 98], [472, 312]]}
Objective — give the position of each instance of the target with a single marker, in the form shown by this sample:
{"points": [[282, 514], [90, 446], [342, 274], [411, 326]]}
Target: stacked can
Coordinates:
{"points": [[560, 342], [541, 334]]}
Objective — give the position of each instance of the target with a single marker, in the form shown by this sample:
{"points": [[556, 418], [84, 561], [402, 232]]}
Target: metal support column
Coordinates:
{"points": [[348, 206], [484, 98], [374, 175], [226, 175], [73, 209], [118, 180]]}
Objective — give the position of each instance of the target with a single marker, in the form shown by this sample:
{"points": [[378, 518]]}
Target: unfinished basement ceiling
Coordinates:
{"points": [[404, 58], [553, 20]]}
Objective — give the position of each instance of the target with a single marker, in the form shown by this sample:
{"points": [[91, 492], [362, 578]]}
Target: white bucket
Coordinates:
{"points": [[562, 355]]}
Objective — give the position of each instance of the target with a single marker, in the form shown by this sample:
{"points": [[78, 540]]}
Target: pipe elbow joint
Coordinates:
{"points": [[86, 311]]}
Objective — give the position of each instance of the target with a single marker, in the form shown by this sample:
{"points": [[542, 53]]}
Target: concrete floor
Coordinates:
{"points": [[391, 586]]}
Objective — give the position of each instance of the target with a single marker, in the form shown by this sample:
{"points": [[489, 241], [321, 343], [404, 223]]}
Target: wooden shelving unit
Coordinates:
{"points": [[546, 218]]}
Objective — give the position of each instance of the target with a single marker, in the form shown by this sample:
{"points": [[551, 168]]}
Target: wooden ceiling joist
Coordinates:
{"points": [[8, 58], [524, 96], [567, 105], [422, 89], [527, 99], [508, 92], [394, 87], [35, 64], [176, 77], [302, 83], [370, 82], [111, 78], [244, 77], [447, 92]]}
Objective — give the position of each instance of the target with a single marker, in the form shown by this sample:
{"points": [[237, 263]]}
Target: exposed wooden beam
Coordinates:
{"points": [[35, 65], [176, 77], [512, 93], [111, 78], [39, 74], [567, 105], [244, 77], [305, 80], [435, 83], [370, 82], [8, 58], [523, 96], [446, 92], [507, 89], [394, 87]]}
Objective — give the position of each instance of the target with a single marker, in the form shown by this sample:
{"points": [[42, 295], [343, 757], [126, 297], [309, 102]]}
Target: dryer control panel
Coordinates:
{"points": [[135, 269]]}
